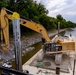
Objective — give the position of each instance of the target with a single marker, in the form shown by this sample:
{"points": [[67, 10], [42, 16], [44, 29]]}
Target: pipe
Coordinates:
{"points": [[57, 71]]}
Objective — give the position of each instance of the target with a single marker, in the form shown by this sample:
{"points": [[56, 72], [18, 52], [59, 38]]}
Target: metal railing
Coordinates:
{"points": [[10, 71]]}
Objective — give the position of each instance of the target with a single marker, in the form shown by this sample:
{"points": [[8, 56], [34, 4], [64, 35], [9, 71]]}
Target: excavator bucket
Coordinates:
{"points": [[7, 55]]}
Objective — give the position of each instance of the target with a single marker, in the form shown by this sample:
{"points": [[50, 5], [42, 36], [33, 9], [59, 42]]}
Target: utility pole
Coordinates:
{"points": [[58, 27], [17, 42]]}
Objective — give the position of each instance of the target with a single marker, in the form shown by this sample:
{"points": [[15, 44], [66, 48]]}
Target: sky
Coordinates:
{"points": [[67, 8]]}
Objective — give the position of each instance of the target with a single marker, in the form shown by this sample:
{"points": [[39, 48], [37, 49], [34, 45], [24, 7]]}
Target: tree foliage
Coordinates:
{"points": [[3, 3], [37, 13]]}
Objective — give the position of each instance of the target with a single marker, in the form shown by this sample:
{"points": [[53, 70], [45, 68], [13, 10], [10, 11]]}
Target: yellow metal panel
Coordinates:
{"points": [[67, 46]]}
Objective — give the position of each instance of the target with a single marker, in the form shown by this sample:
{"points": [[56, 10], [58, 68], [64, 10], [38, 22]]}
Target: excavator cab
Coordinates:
{"points": [[52, 47]]}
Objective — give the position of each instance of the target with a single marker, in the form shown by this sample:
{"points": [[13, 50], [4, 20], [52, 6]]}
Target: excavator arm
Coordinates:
{"points": [[4, 17], [4, 31]]}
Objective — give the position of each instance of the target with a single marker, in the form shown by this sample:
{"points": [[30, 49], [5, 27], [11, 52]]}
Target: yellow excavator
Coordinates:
{"points": [[49, 47]]}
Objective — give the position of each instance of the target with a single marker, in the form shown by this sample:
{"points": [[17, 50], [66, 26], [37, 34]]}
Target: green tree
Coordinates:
{"points": [[3, 3], [37, 13], [59, 17], [52, 24], [71, 24]]}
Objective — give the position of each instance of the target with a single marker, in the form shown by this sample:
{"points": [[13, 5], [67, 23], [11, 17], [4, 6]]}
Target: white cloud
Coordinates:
{"points": [[71, 13], [67, 8]]}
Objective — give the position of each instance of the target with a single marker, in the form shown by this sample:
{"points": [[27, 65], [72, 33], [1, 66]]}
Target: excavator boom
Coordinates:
{"points": [[4, 17], [33, 26]]}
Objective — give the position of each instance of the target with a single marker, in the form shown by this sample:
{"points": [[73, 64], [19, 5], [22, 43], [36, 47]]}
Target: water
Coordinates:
{"points": [[27, 56], [72, 32], [38, 45]]}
